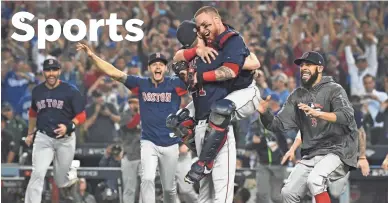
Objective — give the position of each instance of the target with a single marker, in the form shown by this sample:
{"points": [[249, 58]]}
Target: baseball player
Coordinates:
{"points": [[56, 109], [325, 117], [159, 96], [244, 96], [210, 107]]}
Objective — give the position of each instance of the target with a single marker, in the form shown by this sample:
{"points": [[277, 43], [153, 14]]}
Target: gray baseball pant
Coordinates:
{"points": [[314, 176], [130, 171], [269, 182], [167, 159], [218, 186], [186, 190], [47, 150]]}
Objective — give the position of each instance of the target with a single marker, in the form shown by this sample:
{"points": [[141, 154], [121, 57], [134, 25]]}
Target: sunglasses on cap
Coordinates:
{"points": [[51, 68]]}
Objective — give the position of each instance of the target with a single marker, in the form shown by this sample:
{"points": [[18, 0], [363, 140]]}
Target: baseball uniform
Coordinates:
{"points": [[329, 149], [52, 107], [217, 186], [158, 145]]}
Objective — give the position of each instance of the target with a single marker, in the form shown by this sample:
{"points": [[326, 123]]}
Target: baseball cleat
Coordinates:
{"points": [[72, 193]]}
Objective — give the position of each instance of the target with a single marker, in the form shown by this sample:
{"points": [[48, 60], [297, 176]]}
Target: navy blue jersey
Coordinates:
{"points": [[235, 51], [156, 103], [213, 91], [59, 105]]}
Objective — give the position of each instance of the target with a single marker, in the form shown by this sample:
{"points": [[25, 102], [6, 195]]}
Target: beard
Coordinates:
{"points": [[52, 80], [308, 83]]}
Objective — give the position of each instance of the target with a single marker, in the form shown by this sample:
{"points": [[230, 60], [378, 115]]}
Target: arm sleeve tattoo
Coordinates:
{"points": [[224, 73]]}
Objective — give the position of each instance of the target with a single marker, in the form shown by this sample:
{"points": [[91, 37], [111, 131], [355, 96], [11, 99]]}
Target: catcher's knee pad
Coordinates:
{"points": [[221, 113]]}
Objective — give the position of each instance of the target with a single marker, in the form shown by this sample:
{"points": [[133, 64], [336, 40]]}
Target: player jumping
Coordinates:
{"points": [[325, 117], [159, 96], [56, 109], [218, 143], [244, 96]]}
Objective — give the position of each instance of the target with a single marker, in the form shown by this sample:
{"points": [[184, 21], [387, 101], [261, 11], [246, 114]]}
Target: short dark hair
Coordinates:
{"points": [[368, 76], [207, 9]]}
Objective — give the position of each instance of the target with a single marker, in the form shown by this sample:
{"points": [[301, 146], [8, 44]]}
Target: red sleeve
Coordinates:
{"points": [[210, 76], [135, 90], [189, 54], [81, 117], [180, 91], [32, 113], [234, 67], [134, 122]]}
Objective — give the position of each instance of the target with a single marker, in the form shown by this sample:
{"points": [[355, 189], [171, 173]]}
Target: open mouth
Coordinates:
{"points": [[206, 34], [158, 73], [51, 79], [306, 76]]}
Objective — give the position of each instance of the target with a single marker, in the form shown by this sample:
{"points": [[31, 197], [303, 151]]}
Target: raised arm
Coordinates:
{"points": [[102, 65], [371, 53]]}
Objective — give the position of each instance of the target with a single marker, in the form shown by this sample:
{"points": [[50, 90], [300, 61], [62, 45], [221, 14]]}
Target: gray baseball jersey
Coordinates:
{"points": [[320, 137]]}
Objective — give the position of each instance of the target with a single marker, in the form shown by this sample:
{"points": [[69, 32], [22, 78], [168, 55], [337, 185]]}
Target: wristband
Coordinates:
{"points": [[70, 127], [189, 54], [363, 157]]}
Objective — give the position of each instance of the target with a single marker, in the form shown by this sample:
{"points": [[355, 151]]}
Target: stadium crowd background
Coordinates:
{"points": [[352, 36]]}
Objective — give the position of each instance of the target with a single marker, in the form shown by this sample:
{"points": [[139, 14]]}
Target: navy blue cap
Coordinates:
{"points": [[157, 57], [187, 33], [311, 57], [277, 66], [49, 64]]}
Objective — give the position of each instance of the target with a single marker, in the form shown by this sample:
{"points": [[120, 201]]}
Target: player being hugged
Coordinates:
{"points": [[159, 96], [56, 109], [214, 138], [223, 49]]}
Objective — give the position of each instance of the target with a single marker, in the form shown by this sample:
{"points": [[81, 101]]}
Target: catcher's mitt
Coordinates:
{"points": [[179, 66]]}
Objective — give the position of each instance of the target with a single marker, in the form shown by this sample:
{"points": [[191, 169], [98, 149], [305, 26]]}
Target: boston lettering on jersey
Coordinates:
{"points": [[156, 103], [59, 105], [156, 97], [50, 103]]}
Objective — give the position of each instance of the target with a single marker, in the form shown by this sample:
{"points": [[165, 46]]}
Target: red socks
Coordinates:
{"points": [[322, 198]]}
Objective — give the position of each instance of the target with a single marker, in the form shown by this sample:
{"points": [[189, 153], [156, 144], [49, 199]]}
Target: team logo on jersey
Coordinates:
{"points": [[156, 97], [317, 107], [49, 103]]}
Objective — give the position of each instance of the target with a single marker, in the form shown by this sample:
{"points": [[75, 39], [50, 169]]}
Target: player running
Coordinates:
{"points": [[244, 96], [325, 117], [159, 96], [56, 109]]}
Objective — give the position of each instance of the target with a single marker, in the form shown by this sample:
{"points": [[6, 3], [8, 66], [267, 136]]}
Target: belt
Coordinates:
{"points": [[53, 134], [201, 122]]}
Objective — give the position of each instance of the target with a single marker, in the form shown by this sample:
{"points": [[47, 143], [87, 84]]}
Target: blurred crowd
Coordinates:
{"points": [[352, 36]]}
